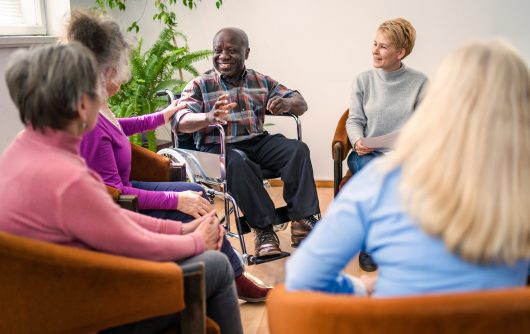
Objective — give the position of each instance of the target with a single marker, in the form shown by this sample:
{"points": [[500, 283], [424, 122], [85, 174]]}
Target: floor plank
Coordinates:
{"points": [[254, 316]]}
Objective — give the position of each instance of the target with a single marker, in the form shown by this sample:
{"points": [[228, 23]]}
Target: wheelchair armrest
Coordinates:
{"points": [[151, 167], [341, 146], [296, 119]]}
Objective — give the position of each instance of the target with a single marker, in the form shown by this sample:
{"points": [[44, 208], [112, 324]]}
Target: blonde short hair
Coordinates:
{"points": [[465, 155], [401, 32]]}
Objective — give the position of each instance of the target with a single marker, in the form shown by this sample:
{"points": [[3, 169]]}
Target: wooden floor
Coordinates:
{"points": [[254, 316]]}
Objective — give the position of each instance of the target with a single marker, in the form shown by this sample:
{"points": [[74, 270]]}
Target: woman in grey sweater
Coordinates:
{"points": [[385, 97]]}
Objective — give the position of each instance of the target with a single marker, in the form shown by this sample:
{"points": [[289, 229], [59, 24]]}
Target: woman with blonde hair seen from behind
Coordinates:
{"points": [[447, 211]]}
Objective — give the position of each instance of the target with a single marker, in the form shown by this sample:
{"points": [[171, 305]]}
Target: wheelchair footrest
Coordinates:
{"points": [[251, 259]]}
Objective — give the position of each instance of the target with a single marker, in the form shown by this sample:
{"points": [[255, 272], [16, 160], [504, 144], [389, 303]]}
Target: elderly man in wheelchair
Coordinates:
{"points": [[237, 98]]}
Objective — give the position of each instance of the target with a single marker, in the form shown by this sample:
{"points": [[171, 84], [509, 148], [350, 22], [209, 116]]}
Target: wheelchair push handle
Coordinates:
{"points": [[170, 95], [170, 98]]}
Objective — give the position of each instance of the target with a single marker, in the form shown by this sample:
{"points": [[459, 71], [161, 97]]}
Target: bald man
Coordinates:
{"points": [[238, 98]]}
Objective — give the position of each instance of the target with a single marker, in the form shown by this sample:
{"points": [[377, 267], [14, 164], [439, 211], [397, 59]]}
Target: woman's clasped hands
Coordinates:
{"points": [[209, 228]]}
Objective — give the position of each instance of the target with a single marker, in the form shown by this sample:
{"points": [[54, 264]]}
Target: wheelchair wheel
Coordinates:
{"points": [[175, 156]]}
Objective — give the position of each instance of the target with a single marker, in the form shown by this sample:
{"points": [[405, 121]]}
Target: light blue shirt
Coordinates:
{"points": [[368, 214]]}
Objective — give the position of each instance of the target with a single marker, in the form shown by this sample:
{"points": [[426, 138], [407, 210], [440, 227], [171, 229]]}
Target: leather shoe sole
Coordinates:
{"points": [[268, 250]]}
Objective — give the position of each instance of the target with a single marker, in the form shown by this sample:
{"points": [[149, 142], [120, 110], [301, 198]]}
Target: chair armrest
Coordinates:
{"points": [[337, 166], [490, 311], [114, 193], [49, 288], [129, 202], [340, 147], [341, 140], [151, 167], [193, 317]]}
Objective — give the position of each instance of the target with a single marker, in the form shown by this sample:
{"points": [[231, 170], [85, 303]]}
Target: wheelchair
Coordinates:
{"points": [[209, 170]]}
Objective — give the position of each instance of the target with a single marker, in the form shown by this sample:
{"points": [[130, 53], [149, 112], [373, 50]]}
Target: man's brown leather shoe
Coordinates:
{"points": [[300, 229], [267, 242]]}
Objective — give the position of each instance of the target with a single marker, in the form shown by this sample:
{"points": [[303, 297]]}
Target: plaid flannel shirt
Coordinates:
{"points": [[246, 119]]}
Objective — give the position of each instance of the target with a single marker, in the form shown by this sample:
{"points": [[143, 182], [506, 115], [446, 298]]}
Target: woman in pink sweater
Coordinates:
{"points": [[48, 193]]}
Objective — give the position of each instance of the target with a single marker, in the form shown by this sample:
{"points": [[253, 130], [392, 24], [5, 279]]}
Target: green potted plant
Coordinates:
{"points": [[156, 68], [152, 71]]}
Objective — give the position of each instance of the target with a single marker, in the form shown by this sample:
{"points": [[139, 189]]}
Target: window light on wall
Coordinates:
{"points": [[22, 17]]}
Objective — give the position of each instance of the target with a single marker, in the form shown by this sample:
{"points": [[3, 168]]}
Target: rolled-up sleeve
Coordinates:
{"points": [[191, 98]]}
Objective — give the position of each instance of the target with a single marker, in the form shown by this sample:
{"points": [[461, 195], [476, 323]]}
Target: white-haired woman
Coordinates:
{"points": [[447, 211]]}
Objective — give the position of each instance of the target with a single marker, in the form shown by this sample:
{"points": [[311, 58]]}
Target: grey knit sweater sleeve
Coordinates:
{"points": [[381, 102]]}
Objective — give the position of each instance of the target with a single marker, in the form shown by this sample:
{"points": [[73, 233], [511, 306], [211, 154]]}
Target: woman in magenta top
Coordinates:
{"points": [[107, 150], [48, 193]]}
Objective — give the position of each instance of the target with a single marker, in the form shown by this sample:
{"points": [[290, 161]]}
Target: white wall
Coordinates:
{"points": [[10, 123], [318, 47]]}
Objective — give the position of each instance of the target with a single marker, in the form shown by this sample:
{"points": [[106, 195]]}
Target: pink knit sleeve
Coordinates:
{"points": [[87, 213]]}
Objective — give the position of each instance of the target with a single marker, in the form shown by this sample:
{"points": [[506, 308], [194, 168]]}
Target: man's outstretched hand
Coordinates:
{"points": [[220, 110]]}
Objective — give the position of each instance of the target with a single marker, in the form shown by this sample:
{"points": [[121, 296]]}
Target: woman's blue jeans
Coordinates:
{"points": [[357, 162]]}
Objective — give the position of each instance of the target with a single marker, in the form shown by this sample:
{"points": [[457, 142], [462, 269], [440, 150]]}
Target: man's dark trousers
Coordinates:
{"points": [[289, 157]]}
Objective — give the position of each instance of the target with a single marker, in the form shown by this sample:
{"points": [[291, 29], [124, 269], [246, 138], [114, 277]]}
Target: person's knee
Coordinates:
{"points": [[353, 162], [198, 188], [299, 149], [218, 265], [238, 164], [236, 159]]}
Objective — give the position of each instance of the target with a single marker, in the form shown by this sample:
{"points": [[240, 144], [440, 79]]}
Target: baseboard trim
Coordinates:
{"points": [[319, 183]]}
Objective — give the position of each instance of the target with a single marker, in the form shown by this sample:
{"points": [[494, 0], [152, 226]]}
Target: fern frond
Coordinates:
{"points": [[151, 71]]}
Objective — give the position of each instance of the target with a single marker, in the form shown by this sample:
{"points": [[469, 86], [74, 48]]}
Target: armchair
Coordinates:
{"points": [[340, 147], [150, 167], [48, 288], [494, 311]]}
